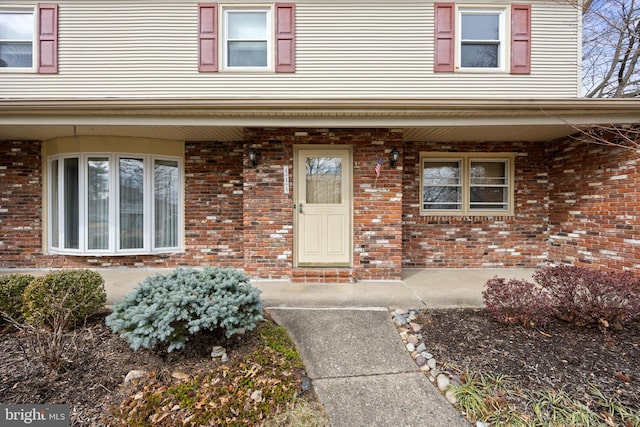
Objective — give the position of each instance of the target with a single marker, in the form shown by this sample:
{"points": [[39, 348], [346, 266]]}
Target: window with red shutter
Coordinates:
{"points": [[444, 37], [48, 38], [207, 37], [521, 39], [285, 38]]}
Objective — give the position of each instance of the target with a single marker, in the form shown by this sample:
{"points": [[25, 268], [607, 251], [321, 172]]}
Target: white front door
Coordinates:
{"points": [[323, 206]]}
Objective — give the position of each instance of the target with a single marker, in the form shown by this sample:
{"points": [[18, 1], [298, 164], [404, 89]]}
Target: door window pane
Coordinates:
{"points": [[442, 186], [16, 40], [131, 184], [324, 180], [98, 203], [71, 204], [166, 191]]}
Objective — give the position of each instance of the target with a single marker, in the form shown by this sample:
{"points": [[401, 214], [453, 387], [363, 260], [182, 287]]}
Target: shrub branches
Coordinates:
{"points": [[575, 294]]}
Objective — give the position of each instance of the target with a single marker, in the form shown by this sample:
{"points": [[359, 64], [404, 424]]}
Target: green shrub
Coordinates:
{"points": [[66, 297], [170, 308], [12, 288]]}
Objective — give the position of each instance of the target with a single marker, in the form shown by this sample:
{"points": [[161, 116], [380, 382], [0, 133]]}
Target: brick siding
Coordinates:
{"points": [[477, 241], [594, 210], [574, 203]]}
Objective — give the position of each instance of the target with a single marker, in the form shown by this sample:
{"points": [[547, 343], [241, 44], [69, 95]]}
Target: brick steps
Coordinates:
{"points": [[322, 275]]}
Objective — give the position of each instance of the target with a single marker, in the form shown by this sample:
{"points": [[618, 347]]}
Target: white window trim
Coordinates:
{"points": [[465, 160], [34, 40], [223, 11], [114, 222], [505, 42]]}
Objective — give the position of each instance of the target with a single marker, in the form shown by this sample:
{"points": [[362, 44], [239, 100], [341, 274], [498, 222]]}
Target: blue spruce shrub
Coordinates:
{"points": [[170, 308]]}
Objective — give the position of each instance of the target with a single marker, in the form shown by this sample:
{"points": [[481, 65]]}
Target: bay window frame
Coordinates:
{"points": [[465, 159], [56, 201]]}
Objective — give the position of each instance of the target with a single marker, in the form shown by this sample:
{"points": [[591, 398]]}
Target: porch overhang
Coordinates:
{"points": [[198, 119]]}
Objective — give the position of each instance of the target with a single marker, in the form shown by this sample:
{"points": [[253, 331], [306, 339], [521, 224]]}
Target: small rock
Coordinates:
{"points": [[410, 347], [217, 351], [443, 382], [139, 395], [432, 363], [134, 375], [482, 424], [421, 348], [175, 408], [179, 375], [412, 339], [401, 311], [421, 361], [451, 397], [425, 368], [400, 321], [415, 327], [412, 316], [256, 396], [455, 379], [427, 355], [224, 358]]}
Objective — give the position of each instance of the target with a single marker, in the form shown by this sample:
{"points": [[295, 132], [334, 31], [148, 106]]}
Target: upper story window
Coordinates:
{"points": [[247, 41], [481, 39], [467, 184], [29, 39], [16, 39], [114, 204], [246, 38]]}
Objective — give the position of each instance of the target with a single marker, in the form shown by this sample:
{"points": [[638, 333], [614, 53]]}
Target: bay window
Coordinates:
{"points": [[114, 204], [467, 184]]}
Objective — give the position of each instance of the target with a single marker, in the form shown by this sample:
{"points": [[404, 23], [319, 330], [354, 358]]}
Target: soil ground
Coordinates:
{"points": [[559, 357]]}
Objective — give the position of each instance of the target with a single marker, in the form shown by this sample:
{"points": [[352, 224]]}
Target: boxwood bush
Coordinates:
{"points": [[68, 296], [12, 288], [169, 309]]}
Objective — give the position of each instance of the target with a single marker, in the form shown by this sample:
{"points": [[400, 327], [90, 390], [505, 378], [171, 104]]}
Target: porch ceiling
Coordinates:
{"points": [[223, 119]]}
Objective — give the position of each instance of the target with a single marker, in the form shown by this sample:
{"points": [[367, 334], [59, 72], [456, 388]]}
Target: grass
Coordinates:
{"points": [[492, 399]]}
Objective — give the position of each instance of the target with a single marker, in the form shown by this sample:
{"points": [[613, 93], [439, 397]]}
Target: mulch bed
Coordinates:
{"points": [[560, 356], [92, 382]]}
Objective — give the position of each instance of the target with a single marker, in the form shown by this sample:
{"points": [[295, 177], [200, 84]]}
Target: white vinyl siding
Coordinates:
{"points": [[353, 48]]}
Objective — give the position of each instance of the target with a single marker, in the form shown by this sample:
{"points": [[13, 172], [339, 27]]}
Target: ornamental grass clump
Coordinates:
{"points": [[169, 309]]}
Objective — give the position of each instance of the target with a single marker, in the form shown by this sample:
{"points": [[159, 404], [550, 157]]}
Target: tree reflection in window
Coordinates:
{"points": [[324, 180], [442, 186]]}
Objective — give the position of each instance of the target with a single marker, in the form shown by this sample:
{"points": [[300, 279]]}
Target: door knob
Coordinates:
{"points": [[300, 207]]}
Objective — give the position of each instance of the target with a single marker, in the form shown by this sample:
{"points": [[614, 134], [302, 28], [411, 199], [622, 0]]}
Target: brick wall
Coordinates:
{"points": [[20, 201], [594, 205], [213, 211], [268, 211], [470, 241]]}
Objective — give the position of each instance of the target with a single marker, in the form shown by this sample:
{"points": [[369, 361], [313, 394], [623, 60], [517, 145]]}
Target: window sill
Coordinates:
{"points": [[116, 254]]}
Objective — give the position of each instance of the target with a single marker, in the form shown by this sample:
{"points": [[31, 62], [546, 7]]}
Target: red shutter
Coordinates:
{"points": [[207, 37], [444, 37], [521, 39], [285, 37], [47, 38]]}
